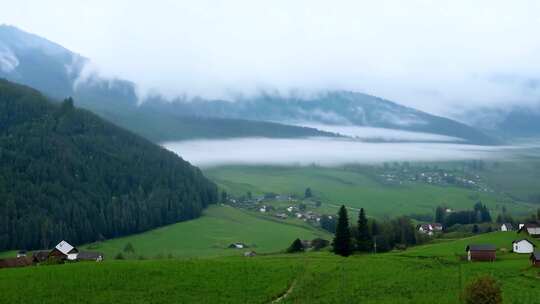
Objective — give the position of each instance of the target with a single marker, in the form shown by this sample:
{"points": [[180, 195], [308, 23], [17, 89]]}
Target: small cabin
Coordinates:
{"points": [[535, 259], [250, 253], [530, 229], [507, 227], [238, 245], [15, 262], [523, 246], [90, 256], [483, 252], [64, 251]]}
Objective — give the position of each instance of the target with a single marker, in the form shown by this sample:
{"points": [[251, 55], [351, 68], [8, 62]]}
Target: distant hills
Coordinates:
{"points": [[516, 123], [47, 66], [65, 173]]}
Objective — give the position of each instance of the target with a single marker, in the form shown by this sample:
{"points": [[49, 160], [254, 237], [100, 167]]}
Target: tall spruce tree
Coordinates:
{"points": [[363, 240], [342, 238], [439, 215]]}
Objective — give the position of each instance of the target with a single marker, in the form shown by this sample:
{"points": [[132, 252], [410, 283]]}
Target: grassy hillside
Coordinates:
{"points": [[412, 276], [357, 189], [210, 235]]}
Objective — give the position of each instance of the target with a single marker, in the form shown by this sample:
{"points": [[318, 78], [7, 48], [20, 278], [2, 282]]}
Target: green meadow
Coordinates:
{"points": [[425, 274], [336, 186], [209, 236]]}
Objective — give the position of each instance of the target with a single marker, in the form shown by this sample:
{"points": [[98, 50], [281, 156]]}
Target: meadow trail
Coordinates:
{"points": [[285, 294]]}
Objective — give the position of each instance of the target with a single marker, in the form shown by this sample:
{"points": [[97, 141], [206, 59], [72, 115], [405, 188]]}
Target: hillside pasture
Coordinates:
{"points": [[209, 236], [356, 189]]}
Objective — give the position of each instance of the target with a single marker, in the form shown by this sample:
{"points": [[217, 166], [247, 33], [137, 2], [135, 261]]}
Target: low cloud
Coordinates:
{"points": [[439, 56], [323, 151], [370, 133]]}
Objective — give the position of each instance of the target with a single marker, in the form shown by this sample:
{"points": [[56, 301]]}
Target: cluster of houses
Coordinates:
{"points": [[487, 252], [430, 228], [60, 253]]}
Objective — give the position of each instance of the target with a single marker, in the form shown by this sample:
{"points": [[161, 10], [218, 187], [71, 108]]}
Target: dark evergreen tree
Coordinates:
{"points": [[296, 246], [307, 193], [342, 238], [440, 213], [475, 229], [363, 240], [375, 228], [224, 196]]}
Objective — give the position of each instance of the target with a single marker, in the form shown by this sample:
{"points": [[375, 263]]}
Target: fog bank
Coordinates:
{"points": [[323, 151]]}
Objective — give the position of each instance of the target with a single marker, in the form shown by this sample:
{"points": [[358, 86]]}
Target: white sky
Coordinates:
{"points": [[438, 56]]}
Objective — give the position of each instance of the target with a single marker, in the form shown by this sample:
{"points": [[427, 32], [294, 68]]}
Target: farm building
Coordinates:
{"points": [[21, 253], [429, 229], [238, 245], [507, 227], [64, 251], [535, 258], [530, 229], [40, 256], [481, 252], [90, 256], [15, 262], [250, 253], [523, 246]]}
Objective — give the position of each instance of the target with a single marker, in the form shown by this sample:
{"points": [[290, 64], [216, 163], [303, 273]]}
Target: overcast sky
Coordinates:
{"points": [[433, 55]]}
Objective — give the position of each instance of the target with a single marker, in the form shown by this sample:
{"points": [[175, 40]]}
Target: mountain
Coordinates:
{"points": [[32, 60], [334, 108], [514, 123], [65, 173]]}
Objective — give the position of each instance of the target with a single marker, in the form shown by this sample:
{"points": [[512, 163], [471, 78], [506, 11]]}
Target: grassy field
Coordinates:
{"points": [[425, 274], [336, 186], [210, 235]]}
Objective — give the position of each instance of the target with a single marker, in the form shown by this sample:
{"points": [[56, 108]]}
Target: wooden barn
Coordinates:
{"points": [[90, 256], [530, 229], [482, 252], [535, 258], [64, 251], [15, 262]]}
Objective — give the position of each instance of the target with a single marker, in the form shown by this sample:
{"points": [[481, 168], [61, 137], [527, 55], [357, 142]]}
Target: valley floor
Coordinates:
{"points": [[425, 274]]}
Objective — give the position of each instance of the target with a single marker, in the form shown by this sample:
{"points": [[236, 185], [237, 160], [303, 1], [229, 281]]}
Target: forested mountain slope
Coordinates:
{"points": [[67, 174]]}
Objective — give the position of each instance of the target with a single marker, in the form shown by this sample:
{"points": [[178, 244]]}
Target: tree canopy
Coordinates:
{"points": [[67, 174]]}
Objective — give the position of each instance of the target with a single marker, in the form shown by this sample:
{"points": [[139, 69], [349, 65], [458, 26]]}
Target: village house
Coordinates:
{"points": [[530, 229], [282, 216], [238, 245], [523, 246], [250, 253], [481, 252], [431, 228], [535, 258], [64, 251], [507, 227]]}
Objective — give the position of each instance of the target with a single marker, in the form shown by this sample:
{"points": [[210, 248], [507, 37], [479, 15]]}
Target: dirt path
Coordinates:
{"points": [[286, 294]]}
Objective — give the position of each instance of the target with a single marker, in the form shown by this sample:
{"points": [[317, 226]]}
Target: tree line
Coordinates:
{"points": [[371, 235], [67, 174]]}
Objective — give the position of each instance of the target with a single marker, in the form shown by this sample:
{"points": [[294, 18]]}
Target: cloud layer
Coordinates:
{"points": [[323, 151], [438, 56]]}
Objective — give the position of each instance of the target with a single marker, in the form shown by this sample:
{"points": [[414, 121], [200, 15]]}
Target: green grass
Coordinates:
{"points": [[426, 274], [336, 186], [209, 236]]}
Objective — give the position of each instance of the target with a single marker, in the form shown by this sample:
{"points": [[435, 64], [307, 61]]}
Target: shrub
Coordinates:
{"points": [[296, 246], [483, 290], [119, 256]]}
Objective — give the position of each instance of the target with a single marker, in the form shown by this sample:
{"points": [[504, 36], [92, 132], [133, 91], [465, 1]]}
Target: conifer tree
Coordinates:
{"points": [[342, 238], [363, 237]]}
